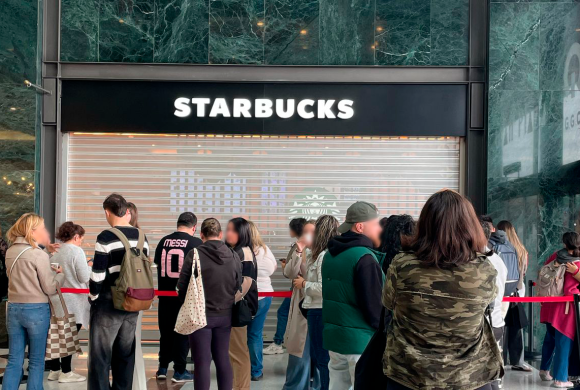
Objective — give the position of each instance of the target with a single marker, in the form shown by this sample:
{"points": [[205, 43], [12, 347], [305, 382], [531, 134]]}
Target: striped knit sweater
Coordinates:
{"points": [[109, 255]]}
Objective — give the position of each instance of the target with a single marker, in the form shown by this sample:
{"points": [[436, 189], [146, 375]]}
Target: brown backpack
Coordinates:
{"points": [[133, 289], [550, 281]]}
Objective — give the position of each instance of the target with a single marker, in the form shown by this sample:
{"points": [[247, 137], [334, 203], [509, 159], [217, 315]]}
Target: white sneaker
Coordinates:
{"points": [[274, 349], [53, 375], [70, 377]]}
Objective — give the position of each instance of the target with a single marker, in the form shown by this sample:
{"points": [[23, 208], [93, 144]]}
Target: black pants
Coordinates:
{"points": [[392, 385], [111, 345], [63, 364], [212, 342], [513, 343], [173, 347]]}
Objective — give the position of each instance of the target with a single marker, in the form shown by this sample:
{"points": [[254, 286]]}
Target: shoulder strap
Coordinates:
{"points": [[122, 238], [16, 259], [141, 241], [248, 254]]}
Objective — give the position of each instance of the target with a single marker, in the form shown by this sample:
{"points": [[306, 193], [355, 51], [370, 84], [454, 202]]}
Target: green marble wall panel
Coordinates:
{"points": [[347, 32], [126, 30], [18, 49], [403, 32], [80, 30], [449, 32], [514, 54], [237, 32], [558, 32], [535, 67], [292, 32], [181, 31]]}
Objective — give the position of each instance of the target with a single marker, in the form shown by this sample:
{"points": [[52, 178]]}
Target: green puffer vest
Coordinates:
{"points": [[345, 329]]}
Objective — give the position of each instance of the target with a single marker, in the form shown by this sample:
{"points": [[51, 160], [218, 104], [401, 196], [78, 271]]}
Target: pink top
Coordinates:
{"points": [[555, 313]]}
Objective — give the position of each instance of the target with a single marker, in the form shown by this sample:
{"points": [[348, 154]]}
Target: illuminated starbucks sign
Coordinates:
{"points": [[263, 108]]}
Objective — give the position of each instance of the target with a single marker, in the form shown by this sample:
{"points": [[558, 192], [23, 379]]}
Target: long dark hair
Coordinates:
{"points": [[448, 231], [242, 227], [134, 215], [572, 242], [394, 227]]}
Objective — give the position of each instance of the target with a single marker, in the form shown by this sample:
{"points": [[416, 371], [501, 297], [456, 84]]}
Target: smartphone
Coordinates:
{"points": [[54, 266]]}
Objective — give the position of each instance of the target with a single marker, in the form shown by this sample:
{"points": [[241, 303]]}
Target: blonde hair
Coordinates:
{"points": [[24, 227], [513, 238], [256, 238]]}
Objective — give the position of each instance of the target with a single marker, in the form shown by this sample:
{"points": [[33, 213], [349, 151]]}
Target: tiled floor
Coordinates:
{"points": [[274, 375]]}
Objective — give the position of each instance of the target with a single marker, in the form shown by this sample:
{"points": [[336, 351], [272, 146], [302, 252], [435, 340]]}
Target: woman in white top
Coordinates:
{"points": [[76, 271], [266, 267], [326, 228]]}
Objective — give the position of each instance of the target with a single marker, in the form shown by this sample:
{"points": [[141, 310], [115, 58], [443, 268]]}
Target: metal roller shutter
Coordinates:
{"points": [[268, 179]]}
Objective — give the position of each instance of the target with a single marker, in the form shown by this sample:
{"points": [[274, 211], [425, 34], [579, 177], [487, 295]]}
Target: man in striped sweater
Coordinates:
{"points": [[112, 331]]}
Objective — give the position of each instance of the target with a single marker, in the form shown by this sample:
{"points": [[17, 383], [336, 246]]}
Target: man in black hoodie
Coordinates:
{"points": [[352, 284], [221, 274]]}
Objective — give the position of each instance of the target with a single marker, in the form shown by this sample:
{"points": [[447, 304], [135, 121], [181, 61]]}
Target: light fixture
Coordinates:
{"points": [[304, 32], [12, 108], [37, 87], [260, 23]]}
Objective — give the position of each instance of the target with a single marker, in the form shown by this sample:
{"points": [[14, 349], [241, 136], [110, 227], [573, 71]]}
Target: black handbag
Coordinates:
{"points": [[368, 372], [516, 316], [241, 314]]}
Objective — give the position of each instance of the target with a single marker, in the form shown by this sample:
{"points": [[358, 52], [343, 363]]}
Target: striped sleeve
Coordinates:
{"points": [[100, 264]]}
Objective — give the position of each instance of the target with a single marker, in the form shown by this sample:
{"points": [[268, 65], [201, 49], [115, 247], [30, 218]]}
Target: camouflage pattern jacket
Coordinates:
{"points": [[439, 337]]}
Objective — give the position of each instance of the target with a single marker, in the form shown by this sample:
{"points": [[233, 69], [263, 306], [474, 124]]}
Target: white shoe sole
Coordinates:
{"points": [[72, 380]]}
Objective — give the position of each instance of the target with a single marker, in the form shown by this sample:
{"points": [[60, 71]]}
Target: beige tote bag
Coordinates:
{"points": [[63, 338], [192, 316]]}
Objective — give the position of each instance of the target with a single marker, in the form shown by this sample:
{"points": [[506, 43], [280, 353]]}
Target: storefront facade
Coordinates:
{"points": [[397, 61]]}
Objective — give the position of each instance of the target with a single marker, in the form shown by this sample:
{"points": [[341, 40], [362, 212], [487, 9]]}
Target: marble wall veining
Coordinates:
{"points": [[18, 115], [534, 133], [267, 32]]}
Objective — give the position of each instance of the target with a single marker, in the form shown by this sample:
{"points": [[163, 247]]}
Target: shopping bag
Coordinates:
{"points": [[192, 316], [63, 338]]}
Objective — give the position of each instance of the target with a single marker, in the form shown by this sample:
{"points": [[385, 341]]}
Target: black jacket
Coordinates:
{"points": [[250, 269], [220, 272], [368, 275]]}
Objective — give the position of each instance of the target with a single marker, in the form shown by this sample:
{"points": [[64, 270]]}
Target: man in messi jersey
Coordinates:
{"points": [[169, 256]]}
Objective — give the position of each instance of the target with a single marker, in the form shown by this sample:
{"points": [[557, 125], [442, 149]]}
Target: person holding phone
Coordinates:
{"points": [[296, 338]]}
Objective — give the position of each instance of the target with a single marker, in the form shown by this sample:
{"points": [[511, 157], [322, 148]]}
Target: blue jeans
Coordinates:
{"points": [[256, 336], [298, 372], [282, 319], [320, 357], [548, 348], [561, 356], [27, 323]]}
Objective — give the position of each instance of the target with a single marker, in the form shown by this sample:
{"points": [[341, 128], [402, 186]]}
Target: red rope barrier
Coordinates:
{"points": [[159, 293], [288, 294]]}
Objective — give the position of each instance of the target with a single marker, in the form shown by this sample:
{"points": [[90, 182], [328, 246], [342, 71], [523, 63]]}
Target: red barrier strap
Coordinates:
{"points": [[288, 294], [159, 293]]}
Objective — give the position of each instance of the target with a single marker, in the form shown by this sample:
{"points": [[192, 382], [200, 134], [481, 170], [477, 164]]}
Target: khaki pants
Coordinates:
{"points": [[240, 358]]}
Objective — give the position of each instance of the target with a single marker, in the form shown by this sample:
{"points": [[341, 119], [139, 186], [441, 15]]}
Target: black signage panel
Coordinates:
{"points": [[264, 108]]}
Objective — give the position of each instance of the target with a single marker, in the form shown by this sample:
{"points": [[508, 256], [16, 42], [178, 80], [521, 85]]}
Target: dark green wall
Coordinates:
{"points": [[270, 32], [18, 114], [534, 86]]}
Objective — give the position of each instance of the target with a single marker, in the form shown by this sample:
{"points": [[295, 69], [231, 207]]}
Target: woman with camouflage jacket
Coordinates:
{"points": [[439, 337]]}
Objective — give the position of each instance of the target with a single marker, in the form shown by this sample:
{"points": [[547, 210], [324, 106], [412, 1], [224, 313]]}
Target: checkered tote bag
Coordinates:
{"points": [[63, 338], [191, 316]]}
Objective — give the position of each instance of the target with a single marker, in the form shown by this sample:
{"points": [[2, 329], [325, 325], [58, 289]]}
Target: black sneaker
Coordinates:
{"points": [[257, 378], [161, 373]]}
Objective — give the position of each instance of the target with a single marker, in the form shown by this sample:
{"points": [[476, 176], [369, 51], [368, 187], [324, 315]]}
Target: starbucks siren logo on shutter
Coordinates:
{"points": [[314, 202]]}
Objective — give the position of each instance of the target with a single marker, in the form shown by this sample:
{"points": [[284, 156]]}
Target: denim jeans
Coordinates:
{"points": [[320, 356], [298, 373], [548, 348], [28, 323], [256, 336], [561, 356], [282, 319]]}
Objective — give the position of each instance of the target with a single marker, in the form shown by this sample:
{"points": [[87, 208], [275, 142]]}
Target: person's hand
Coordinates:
{"points": [[58, 270], [298, 283], [283, 262], [52, 248], [572, 268], [300, 244]]}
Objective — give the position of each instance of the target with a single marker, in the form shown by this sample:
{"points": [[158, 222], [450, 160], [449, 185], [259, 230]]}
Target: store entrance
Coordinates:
{"points": [[267, 179]]}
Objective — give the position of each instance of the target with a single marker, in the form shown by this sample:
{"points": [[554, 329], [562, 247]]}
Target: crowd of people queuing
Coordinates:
{"points": [[431, 289]]}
